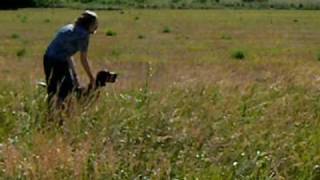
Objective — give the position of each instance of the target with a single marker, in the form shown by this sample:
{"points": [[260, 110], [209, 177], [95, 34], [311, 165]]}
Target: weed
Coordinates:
{"points": [[47, 21], [21, 52], [166, 30], [23, 19], [111, 33], [226, 37], [238, 54], [115, 53], [15, 36], [141, 36]]}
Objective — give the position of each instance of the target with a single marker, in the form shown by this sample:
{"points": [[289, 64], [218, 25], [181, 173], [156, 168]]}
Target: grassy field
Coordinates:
{"points": [[201, 94]]}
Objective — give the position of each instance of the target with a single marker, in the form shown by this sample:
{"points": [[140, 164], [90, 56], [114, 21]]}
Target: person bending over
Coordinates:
{"points": [[61, 77]]}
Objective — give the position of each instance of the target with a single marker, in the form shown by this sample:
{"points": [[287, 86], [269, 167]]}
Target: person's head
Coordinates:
{"points": [[89, 21]]}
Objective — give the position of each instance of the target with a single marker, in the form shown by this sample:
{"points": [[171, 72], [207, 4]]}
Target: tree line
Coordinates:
{"points": [[175, 4], [14, 4]]}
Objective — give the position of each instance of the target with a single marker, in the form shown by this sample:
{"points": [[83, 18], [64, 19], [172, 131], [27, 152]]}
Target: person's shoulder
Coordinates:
{"points": [[65, 28]]}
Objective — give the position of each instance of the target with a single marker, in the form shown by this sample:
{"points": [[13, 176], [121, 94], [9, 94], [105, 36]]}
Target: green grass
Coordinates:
{"points": [[182, 106]]}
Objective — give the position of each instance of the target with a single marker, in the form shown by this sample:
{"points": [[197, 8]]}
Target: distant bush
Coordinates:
{"points": [[166, 30], [141, 37], [47, 21], [115, 53], [155, 4], [300, 6], [15, 36], [318, 56], [226, 37], [21, 52], [23, 19], [238, 54], [111, 33], [259, 1], [14, 4], [47, 3]]}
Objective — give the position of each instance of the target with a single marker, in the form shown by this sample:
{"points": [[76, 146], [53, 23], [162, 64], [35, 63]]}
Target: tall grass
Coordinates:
{"points": [[182, 108], [178, 133]]}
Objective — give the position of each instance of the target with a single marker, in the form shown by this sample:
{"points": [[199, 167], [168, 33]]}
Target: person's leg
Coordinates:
{"points": [[66, 85], [55, 71], [52, 80], [65, 89], [48, 70]]}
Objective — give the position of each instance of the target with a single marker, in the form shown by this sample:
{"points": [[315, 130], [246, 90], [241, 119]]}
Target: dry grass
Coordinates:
{"points": [[183, 107]]}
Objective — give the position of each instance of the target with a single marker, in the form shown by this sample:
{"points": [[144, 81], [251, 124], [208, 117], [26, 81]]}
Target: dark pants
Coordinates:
{"points": [[58, 77]]}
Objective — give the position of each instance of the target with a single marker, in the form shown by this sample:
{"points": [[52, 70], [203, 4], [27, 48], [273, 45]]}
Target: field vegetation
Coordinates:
{"points": [[201, 94]]}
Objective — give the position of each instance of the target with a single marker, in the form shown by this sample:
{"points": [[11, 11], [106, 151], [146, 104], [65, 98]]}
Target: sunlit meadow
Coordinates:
{"points": [[201, 94]]}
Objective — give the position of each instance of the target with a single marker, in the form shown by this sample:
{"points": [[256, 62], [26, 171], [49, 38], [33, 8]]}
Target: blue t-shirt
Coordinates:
{"points": [[69, 40]]}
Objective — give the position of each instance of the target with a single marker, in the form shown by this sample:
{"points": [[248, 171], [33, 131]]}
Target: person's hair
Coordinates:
{"points": [[85, 21]]}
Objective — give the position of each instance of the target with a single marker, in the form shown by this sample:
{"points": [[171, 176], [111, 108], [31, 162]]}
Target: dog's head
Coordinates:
{"points": [[104, 76]]}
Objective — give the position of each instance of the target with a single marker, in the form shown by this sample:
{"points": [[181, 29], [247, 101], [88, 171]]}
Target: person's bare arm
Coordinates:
{"points": [[73, 71], [86, 66]]}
